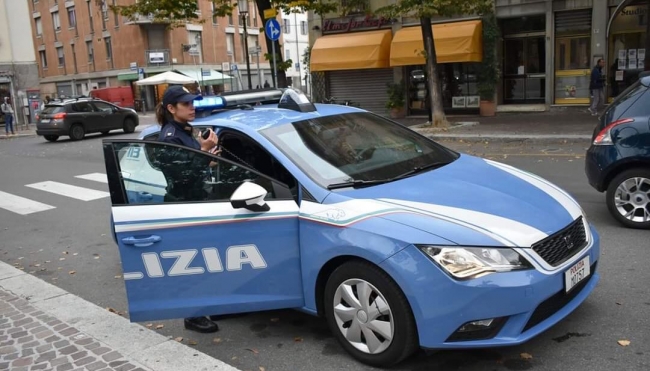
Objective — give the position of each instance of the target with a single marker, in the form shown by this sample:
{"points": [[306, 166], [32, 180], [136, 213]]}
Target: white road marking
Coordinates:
{"points": [[79, 193], [21, 205], [95, 177]]}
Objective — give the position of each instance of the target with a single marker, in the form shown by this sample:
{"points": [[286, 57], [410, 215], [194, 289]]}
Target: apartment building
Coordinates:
{"points": [[82, 45], [295, 32], [18, 69]]}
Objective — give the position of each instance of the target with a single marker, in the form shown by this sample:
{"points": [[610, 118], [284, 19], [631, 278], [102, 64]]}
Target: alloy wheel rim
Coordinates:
{"points": [[632, 199], [363, 316], [77, 132]]}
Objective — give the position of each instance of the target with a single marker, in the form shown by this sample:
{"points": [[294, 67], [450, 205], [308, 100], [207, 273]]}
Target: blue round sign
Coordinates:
{"points": [[272, 29]]}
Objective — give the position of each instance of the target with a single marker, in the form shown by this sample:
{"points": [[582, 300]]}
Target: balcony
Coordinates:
{"points": [[157, 57], [145, 19]]}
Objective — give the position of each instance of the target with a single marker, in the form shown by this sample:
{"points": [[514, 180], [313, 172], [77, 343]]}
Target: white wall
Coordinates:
{"points": [[296, 43], [16, 41]]}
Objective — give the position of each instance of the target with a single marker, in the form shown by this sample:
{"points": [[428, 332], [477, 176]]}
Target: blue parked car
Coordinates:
{"points": [[618, 161], [397, 241]]}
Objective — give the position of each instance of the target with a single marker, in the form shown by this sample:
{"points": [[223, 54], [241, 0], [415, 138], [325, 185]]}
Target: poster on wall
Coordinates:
{"points": [[631, 53], [619, 75], [631, 64], [640, 54], [473, 101], [621, 55], [458, 102], [621, 64]]}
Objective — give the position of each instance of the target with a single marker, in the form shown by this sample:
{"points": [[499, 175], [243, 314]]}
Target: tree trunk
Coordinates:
{"points": [[282, 76], [439, 119]]}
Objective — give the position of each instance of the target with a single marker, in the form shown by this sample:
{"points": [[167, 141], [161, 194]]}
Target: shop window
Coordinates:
{"points": [[458, 84], [573, 53]]}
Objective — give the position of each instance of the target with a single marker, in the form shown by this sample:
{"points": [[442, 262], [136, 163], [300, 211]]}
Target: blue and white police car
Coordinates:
{"points": [[396, 240]]}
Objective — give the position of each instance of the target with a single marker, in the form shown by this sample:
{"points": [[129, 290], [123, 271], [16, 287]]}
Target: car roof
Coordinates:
{"points": [[64, 101], [269, 115]]}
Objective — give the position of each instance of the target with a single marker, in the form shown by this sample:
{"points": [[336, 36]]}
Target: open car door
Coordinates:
{"points": [[200, 235]]}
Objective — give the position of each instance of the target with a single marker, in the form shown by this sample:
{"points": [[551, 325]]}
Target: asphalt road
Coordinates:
{"points": [[70, 246]]}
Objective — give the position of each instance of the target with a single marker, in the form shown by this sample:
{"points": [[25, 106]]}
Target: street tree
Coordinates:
{"points": [[425, 10], [177, 13]]}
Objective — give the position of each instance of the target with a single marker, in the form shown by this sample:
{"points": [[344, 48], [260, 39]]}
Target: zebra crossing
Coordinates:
{"points": [[25, 206]]}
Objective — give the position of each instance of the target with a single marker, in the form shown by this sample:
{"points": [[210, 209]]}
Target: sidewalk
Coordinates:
{"points": [[572, 125], [43, 327]]}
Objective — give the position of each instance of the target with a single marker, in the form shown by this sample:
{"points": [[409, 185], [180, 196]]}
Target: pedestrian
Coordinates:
{"points": [[8, 111], [597, 87], [47, 101], [174, 114], [266, 84]]}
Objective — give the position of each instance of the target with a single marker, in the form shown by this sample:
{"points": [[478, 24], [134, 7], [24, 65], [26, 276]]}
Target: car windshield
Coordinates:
{"points": [[48, 110], [355, 147]]}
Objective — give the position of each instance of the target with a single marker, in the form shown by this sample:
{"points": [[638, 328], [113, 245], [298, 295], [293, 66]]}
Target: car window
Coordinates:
{"points": [[103, 107], [50, 110], [360, 146], [625, 103], [153, 172], [82, 107]]}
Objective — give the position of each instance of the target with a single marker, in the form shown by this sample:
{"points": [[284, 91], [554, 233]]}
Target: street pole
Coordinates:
{"points": [[248, 63], [259, 75], [275, 70]]}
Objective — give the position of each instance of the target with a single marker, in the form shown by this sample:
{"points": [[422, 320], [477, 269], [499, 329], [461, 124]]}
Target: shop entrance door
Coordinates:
{"points": [[524, 78]]}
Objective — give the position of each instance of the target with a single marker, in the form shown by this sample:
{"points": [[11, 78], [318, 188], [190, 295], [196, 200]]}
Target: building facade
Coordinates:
{"points": [[546, 53], [82, 45], [18, 69], [295, 32]]}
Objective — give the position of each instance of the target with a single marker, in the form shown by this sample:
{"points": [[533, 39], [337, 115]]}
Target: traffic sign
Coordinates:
{"points": [[270, 13], [272, 29], [205, 72]]}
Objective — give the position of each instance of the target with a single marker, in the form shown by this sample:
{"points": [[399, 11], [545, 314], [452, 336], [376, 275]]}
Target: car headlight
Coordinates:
{"points": [[473, 262]]}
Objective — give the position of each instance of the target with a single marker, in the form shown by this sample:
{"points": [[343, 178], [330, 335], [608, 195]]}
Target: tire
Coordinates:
{"points": [[385, 294], [51, 138], [77, 132], [129, 125], [629, 192]]}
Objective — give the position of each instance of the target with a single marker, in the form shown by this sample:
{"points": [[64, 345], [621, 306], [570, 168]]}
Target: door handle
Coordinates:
{"points": [[141, 242], [145, 196]]}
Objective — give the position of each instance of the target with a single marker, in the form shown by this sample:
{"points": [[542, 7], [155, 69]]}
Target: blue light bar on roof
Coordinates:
{"points": [[211, 102]]}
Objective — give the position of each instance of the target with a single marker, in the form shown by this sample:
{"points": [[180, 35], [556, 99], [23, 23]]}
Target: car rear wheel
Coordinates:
{"points": [[51, 138], [77, 132], [628, 198], [129, 125], [369, 315]]}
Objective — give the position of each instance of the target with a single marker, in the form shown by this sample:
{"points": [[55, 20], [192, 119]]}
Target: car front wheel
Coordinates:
{"points": [[77, 132], [628, 198], [129, 125], [369, 315]]}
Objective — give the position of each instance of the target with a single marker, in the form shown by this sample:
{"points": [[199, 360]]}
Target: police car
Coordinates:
{"points": [[397, 241]]}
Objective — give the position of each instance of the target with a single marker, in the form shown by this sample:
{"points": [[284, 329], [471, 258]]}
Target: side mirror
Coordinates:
{"points": [[249, 196]]}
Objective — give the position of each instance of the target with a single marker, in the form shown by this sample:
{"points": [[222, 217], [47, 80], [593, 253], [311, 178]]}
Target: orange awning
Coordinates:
{"points": [[454, 42], [351, 51]]}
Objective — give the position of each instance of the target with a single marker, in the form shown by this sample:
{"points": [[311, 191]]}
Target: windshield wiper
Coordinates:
{"points": [[419, 169], [356, 183]]}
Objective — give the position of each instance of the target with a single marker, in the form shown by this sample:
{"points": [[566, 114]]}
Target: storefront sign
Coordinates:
{"points": [[352, 24]]}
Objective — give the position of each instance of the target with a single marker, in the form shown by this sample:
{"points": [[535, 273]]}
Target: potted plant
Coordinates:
{"points": [[396, 100], [488, 71]]}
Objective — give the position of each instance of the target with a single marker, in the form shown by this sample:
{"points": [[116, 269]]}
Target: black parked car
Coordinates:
{"points": [[77, 117], [618, 161]]}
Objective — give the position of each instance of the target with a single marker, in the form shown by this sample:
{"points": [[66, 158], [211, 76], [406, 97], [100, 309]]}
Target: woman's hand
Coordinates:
{"points": [[208, 145]]}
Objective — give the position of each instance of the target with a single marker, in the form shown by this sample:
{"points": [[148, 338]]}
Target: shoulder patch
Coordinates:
{"points": [[170, 133]]}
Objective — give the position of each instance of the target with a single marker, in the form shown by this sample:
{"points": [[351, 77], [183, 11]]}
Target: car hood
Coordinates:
{"points": [[471, 201]]}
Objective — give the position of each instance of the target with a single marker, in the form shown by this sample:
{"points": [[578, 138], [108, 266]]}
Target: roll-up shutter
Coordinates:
{"points": [[573, 22], [366, 88]]}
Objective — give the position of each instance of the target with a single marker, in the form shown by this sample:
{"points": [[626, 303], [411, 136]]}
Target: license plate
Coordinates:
{"points": [[45, 121], [578, 272]]}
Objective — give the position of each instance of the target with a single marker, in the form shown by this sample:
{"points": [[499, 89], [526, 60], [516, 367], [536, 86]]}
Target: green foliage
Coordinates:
{"points": [[433, 8], [396, 95], [488, 72], [306, 58]]}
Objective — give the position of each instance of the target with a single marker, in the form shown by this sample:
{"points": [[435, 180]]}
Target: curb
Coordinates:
{"points": [[145, 347]]}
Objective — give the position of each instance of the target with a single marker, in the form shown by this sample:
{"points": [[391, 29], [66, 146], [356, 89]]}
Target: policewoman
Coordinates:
{"points": [[174, 114]]}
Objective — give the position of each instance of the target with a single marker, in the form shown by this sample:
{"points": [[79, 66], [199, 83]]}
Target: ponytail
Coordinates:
{"points": [[160, 114]]}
